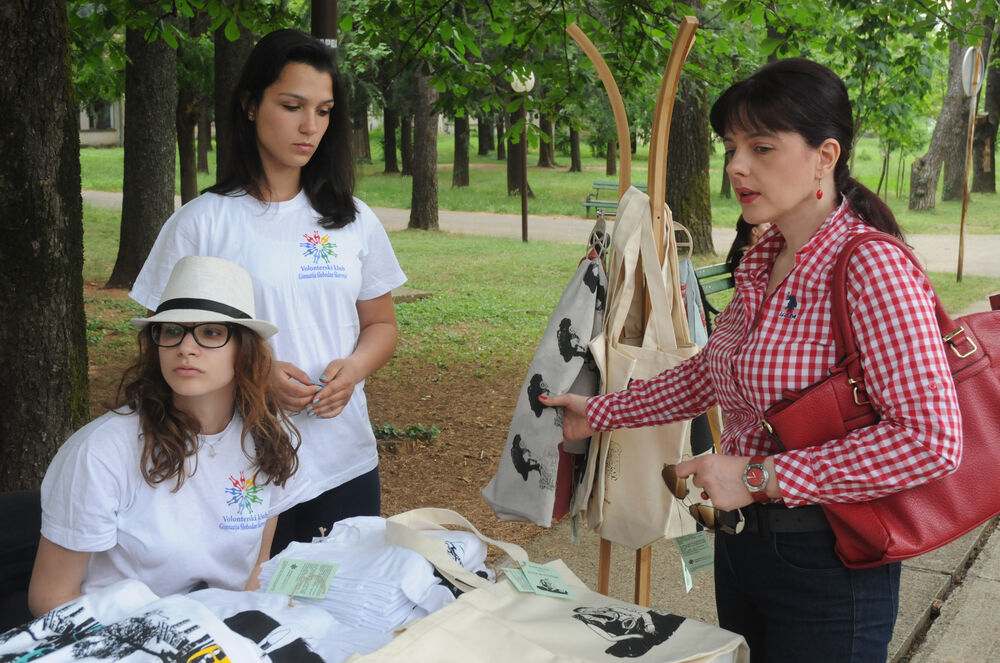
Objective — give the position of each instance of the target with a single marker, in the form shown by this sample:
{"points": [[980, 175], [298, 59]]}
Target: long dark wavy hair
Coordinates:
{"points": [[170, 436], [328, 177], [803, 96]]}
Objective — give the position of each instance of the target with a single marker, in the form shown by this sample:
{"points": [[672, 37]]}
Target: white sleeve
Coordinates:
{"points": [[176, 240], [380, 270], [84, 489]]}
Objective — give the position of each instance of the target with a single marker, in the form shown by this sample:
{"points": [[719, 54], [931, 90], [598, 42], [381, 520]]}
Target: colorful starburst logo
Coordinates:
{"points": [[244, 493], [318, 247]]}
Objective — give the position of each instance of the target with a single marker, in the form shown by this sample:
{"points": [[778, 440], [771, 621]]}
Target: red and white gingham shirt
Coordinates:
{"points": [[748, 362]]}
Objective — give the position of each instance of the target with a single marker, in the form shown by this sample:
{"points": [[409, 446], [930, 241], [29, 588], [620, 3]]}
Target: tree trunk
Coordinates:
{"points": [[726, 191], [229, 59], [575, 162], [611, 158], [546, 148], [460, 164], [150, 136], [424, 197], [984, 178], [501, 130], [204, 137], [390, 120], [485, 134], [883, 176], [406, 144], [43, 345], [188, 116], [688, 186], [362, 140], [949, 134]]}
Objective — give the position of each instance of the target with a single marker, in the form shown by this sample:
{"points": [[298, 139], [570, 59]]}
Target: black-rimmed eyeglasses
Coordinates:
{"points": [[206, 334]]}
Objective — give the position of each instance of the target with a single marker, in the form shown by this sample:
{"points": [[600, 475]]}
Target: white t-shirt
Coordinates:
{"points": [[94, 499], [307, 280]]}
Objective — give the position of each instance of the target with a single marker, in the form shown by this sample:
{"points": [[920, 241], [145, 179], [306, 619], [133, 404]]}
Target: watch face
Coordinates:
{"points": [[756, 476]]}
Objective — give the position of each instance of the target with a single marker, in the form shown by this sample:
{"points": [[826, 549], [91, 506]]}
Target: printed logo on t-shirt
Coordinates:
{"points": [[319, 249], [245, 500]]}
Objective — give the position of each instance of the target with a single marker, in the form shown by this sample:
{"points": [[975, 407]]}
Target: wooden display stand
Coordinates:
{"points": [[656, 182]]}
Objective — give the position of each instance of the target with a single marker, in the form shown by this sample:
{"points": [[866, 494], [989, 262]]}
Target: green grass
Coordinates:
{"points": [[102, 169], [558, 192], [491, 297], [101, 227]]}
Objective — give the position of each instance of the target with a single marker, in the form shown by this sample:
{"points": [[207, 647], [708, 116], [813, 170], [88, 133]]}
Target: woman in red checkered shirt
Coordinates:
{"points": [[788, 131]]}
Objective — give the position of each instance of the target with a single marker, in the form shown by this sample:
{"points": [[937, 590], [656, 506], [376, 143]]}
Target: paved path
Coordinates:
{"points": [[938, 252]]}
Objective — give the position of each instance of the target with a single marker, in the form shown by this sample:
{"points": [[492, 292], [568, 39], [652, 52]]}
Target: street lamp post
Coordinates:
{"points": [[523, 86]]}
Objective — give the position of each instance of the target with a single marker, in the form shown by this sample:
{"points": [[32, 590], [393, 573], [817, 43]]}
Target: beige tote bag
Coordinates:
{"points": [[498, 624], [629, 503]]}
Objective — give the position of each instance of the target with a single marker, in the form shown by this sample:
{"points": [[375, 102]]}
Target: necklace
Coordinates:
{"points": [[208, 445], [203, 439]]}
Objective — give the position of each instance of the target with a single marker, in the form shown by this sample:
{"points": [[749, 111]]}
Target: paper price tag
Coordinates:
{"points": [[519, 580], [696, 555], [545, 581], [302, 578]]}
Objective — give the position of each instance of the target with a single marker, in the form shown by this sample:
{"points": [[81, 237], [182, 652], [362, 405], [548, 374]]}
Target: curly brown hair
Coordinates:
{"points": [[170, 436]]}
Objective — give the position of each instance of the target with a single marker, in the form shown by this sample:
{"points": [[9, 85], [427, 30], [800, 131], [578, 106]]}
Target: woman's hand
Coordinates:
{"points": [[295, 389], [575, 424], [721, 478], [339, 380]]}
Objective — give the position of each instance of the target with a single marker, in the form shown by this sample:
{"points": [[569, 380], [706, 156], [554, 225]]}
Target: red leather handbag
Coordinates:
{"points": [[918, 519]]}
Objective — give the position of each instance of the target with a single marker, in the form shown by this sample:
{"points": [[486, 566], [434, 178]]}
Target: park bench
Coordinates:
{"points": [[711, 280], [715, 278], [610, 206]]}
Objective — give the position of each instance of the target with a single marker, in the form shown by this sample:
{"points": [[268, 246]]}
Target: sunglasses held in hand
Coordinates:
{"points": [[705, 515]]}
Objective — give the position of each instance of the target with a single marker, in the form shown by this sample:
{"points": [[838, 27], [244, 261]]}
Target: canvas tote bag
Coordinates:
{"points": [[498, 624], [529, 473], [406, 530], [629, 503]]}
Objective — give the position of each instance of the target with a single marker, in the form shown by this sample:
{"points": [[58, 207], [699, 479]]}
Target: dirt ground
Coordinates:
{"points": [[472, 413]]}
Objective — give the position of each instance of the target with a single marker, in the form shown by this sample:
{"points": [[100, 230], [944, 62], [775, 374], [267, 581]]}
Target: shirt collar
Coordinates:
{"points": [[756, 264]]}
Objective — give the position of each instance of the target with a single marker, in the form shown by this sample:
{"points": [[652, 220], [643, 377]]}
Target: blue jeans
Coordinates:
{"points": [[361, 496], [792, 599]]}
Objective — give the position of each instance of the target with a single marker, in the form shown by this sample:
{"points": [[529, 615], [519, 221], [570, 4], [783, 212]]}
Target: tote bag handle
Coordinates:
{"points": [[404, 530]]}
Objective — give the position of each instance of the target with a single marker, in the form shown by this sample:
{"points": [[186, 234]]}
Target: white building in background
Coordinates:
{"points": [[101, 124]]}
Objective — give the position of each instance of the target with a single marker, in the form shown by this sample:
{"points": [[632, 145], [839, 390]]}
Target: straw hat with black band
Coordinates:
{"points": [[207, 289]]}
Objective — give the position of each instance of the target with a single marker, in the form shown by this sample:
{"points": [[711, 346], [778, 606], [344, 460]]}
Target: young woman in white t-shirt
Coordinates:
{"points": [[178, 487], [322, 266]]}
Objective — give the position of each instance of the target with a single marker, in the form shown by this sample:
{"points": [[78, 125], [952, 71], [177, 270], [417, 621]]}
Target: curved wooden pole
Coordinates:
{"points": [[617, 105], [660, 135]]}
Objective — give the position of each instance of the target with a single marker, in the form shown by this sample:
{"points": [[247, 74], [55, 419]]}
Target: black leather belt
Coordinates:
{"points": [[777, 519]]}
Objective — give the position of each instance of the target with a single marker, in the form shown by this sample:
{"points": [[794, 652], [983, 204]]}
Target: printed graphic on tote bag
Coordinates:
{"points": [[592, 279], [633, 631]]}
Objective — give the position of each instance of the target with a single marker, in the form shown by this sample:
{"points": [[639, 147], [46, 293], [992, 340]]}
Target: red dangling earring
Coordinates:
{"points": [[819, 191]]}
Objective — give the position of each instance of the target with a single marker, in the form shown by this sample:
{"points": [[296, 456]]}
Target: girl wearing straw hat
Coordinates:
{"points": [[322, 265], [178, 487]]}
